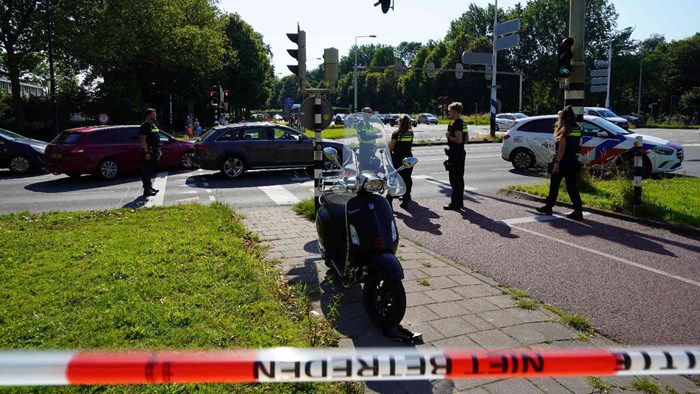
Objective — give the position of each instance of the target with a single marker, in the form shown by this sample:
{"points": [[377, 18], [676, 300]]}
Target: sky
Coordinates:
{"points": [[336, 23]]}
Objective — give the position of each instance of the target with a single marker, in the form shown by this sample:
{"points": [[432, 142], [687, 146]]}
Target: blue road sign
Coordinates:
{"points": [[289, 103], [493, 86]]}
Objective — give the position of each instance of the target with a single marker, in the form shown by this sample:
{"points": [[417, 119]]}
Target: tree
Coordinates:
{"points": [[406, 51], [21, 41]]}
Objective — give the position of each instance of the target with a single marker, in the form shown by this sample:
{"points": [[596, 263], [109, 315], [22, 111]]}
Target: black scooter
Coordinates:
{"points": [[357, 237]]}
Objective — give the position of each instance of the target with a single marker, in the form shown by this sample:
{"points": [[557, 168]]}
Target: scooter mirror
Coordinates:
{"points": [[409, 162], [330, 153]]}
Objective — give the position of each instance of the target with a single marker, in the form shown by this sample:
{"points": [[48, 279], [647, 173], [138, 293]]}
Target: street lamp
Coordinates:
{"points": [[355, 80]]}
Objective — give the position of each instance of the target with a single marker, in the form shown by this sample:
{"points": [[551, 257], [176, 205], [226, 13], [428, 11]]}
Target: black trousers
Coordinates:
{"points": [[149, 167], [405, 175], [457, 183], [571, 178]]}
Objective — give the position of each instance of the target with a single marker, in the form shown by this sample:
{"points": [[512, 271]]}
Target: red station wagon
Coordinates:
{"points": [[109, 151]]}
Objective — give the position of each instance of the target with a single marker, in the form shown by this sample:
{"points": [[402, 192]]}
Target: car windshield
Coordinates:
{"points": [[612, 127], [10, 135], [67, 138], [608, 114], [520, 116]]}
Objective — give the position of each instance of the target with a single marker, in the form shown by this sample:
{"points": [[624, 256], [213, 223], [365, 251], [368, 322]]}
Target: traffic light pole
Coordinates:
{"points": [[494, 91], [318, 150], [576, 89]]}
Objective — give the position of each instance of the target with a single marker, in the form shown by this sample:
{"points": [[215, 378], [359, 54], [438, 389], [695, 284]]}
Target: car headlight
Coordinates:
{"points": [[374, 185], [662, 150], [39, 149]]}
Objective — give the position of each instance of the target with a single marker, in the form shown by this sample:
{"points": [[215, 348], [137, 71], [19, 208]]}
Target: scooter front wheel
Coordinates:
{"points": [[384, 301]]}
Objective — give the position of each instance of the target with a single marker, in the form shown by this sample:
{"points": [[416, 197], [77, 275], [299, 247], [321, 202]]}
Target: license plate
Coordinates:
{"points": [[56, 155]]}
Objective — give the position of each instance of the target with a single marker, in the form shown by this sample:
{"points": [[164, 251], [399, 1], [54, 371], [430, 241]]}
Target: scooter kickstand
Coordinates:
{"points": [[404, 335]]}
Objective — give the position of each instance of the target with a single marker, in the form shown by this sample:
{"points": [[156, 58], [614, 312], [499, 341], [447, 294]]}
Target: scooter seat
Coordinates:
{"points": [[335, 203]]}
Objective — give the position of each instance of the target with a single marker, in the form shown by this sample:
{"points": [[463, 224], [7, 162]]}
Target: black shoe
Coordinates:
{"points": [[154, 191], [450, 207], [576, 215], [546, 210], [148, 193], [404, 204]]}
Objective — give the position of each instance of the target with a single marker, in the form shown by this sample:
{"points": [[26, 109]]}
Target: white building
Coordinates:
{"points": [[26, 89]]}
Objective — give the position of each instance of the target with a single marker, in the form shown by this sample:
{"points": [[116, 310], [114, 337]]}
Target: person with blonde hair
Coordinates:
{"points": [[400, 148], [456, 156], [566, 164]]}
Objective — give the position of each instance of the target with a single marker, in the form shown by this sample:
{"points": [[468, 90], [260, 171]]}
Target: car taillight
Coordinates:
{"points": [[77, 151], [201, 148], [506, 136]]}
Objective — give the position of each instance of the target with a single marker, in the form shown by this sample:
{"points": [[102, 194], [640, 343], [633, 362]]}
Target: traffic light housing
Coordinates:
{"points": [[330, 67], [226, 96], [299, 69], [212, 94], [565, 55], [386, 5]]}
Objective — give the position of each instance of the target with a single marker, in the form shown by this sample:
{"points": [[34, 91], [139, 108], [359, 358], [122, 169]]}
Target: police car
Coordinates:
{"points": [[530, 143]]}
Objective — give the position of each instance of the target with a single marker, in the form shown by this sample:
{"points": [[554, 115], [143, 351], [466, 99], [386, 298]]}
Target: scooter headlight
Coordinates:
{"points": [[374, 185], [394, 233]]}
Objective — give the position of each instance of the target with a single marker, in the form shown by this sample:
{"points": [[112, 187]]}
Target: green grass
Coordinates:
{"points": [[527, 304], [480, 120], [574, 321], [184, 277], [306, 209], [333, 133], [652, 125], [600, 386], [646, 385], [674, 200], [424, 282]]}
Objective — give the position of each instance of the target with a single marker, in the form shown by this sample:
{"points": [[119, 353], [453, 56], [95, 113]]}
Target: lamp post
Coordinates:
{"points": [[355, 79], [52, 75]]}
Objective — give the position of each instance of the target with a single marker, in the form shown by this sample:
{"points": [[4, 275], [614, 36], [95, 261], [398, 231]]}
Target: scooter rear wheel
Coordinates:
{"points": [[384, 301]]}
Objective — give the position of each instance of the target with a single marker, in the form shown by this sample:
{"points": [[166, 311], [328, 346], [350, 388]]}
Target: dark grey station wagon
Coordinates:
{"points": [[235, 149]]}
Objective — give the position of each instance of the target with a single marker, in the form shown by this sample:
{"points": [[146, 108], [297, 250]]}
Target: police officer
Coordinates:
{"points": [[400, 147], [566, 166], [368, 137], [150, 151], [456, 155]]}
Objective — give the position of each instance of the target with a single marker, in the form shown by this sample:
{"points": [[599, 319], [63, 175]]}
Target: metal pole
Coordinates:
{"points": [[607, 94], [639, 97], [52, 74], [171, 110], [354, 89], [318, 150], [576, 90], [520, 101], [494, 98], [638, 170]]}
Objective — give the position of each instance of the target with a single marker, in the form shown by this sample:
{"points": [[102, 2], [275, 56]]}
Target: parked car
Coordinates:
{"points": [[530, 143], [109, 151], [608, 115], [506, 121], [235, 149], [637, 122], [427, 119], [20, 154]]}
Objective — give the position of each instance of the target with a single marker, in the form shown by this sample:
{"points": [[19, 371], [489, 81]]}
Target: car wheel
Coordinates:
{"points": [[522, 159], [187, 160], [108, 169], [233, 167], [20, 165]]}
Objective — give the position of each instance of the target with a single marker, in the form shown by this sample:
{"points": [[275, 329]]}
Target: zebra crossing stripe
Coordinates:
{"points": [[280, 195]]}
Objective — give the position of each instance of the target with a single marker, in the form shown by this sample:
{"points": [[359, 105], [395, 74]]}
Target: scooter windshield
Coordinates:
{"points": [[367, 153]]}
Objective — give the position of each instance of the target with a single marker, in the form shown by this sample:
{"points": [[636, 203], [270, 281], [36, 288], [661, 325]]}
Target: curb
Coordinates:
{"points": [[675, 228]]}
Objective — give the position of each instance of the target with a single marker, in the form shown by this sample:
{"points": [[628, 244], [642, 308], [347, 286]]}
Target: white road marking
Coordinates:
{"points": [[189, 192], [209, 191], [538, 218], [468, 157], [212, 198], [159, 183], [447, 183], [501, 169], [609, 256], [279, 195], [421, 176], [690, 145]]}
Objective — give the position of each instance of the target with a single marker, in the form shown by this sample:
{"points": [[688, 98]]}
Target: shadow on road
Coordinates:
{"points": [[419, 218], [488, 224], [67, 185], [138, 202], [250, 179], [446, 190]]}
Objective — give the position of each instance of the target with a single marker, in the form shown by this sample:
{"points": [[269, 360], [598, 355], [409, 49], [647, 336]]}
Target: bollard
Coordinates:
{"points": [[638, 170]]}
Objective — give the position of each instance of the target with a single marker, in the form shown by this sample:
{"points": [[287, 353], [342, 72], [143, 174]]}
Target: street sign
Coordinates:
{"points": [[103, 118], [507, 27], [599, 81], [459, 70], [289, 103], [306, 113], [599, 73], [477, 58], [507, 42], [493, 86], [431, 70], [599, 88], [601, 64]]}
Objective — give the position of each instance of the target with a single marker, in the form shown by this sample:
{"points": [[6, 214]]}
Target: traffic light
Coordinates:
{"points": [[386, 5], [299, 69], [330, 67], [565, 54], [226, 96], [212, 94]]}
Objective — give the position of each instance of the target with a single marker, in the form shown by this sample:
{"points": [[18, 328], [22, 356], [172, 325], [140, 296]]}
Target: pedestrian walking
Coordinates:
{"points": [[457, 136], [150, 150], [566, 164], [400, 147], [197, 128]]}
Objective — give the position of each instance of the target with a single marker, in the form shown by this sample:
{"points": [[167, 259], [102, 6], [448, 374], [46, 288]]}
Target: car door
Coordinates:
{"points": [[600, 147], [172, 157], [255, 142], [127, 147], [291, 149], [540, 138], [4, 152]]}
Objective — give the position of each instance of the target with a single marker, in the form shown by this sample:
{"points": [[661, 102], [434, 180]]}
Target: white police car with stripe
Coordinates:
{"points": [[530, 143]]}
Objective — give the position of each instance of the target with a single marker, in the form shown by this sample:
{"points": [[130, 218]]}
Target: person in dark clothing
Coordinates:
{"points": [[567, 135], [400, 147], [457, 136], [150, 151]]}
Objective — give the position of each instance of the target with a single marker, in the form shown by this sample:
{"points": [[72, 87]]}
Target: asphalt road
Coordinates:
{"points": [[636, 284]]}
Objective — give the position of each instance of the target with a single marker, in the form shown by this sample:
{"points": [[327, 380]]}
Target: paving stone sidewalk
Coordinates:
{"points": [[451, 305]]}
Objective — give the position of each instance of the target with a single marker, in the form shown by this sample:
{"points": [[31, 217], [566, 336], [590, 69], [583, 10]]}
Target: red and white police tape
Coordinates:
{"points": [[22, 368]]}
